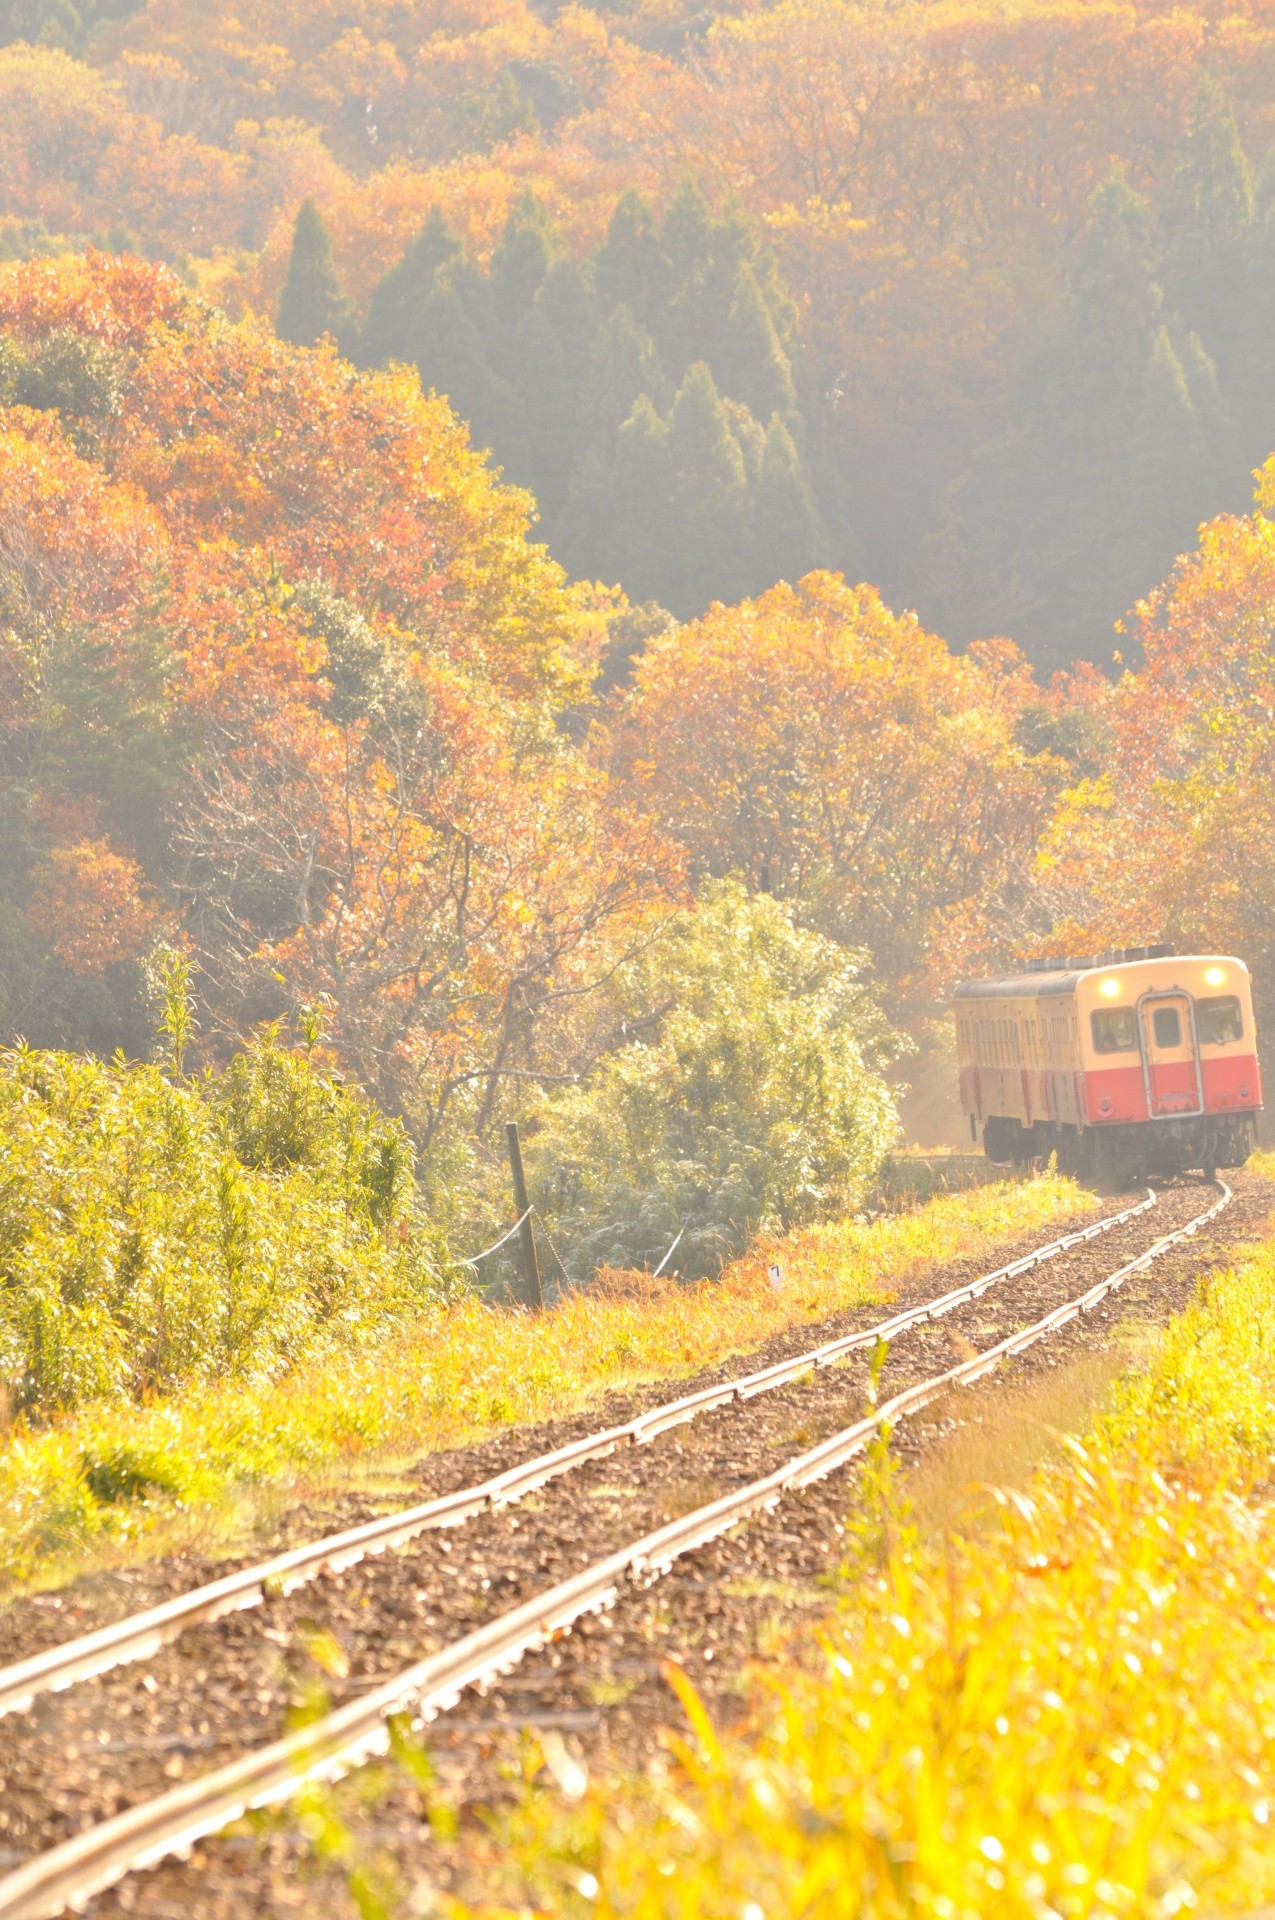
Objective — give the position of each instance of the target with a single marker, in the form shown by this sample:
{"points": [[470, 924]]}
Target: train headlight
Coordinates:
{"points": [[1110, 988], [1215, 976]]}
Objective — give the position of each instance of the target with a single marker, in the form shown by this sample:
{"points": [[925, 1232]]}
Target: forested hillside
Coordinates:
{"points": [[567, 572], [971, 305], [605, 799]]}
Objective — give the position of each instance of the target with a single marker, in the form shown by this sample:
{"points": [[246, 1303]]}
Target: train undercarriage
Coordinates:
{"points": [[1124, 1154]]}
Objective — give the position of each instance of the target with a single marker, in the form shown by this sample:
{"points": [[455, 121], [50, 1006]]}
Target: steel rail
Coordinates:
{"points": [[72, 1872], [140, 1635]]}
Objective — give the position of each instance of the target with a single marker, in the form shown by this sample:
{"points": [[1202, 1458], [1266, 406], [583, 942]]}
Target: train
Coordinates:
{"points": [[1124, 1065]]}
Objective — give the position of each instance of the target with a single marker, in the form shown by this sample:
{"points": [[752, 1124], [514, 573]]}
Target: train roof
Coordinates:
{"points": [[1021, 986], [1041, 978]]}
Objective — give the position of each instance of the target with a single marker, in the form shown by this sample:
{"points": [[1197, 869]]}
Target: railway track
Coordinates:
{"points": [[170, 1822], [138, 1636]]}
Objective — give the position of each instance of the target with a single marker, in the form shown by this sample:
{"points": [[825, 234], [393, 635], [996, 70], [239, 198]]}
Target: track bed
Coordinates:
{"points": [[78, 1757]]}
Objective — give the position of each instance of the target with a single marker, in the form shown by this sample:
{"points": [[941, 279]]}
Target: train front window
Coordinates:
{"points": [[1219, 1021], [1167, 1025], [1114, 1030]]}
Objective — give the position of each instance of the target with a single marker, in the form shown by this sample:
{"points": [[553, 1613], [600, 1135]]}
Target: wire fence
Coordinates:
{"points": [[496, 1245], [474, 1258]]}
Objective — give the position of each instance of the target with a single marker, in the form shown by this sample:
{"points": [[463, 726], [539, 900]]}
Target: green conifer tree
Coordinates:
{"points": [[519, 266], [1210, 230], [312, 302], [554, 355], [706, 559], [787, 538], [1172, 470], [1254, 401], [637, 526], [699, 302], [1093, 371], [630, 268], [1081, 503], [392, 329], [542, 379], [623, 365], [453, 359], [750, 364]]}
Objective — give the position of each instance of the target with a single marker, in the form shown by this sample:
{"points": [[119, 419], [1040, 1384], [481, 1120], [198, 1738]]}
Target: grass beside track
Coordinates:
{"points": [[114, 1482], [1072, 1713]]}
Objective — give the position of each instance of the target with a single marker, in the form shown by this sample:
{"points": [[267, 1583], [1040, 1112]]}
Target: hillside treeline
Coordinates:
{"points": [[286, 687], [653, 395], [1013, 275]]}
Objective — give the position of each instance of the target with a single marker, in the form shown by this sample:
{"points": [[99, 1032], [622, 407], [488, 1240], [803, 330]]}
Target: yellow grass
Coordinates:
{"points": [[1071, 1714], [465, 1371]]}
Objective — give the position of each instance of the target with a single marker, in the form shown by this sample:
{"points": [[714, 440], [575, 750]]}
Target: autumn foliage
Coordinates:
{"points": [[1029, 258], [281, 676]]}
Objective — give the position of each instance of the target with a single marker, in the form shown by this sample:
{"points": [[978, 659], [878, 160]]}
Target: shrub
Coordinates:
{"points": [[756, 1100], [156, 1234]]}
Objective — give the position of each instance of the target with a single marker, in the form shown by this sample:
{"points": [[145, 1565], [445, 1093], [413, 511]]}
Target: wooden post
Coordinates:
{"points": [[530, 1265]]}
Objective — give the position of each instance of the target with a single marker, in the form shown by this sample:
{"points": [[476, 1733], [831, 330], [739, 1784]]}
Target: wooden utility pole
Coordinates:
{"points": [[533, 1291]]}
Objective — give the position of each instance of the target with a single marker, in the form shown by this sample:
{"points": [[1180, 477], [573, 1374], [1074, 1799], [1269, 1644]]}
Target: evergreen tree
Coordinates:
{"points": [[312, 302], [1115, 434], [705, 258], [453, 359], [638, 528], [1207, 262], [630, 268], [567, 301], [1254, 402], [649, 471], [392, 330], [541, 378], [60, 23], [623, 365], [1093, 385], [518, 270], [708, 501], [553, 354], [787, 539], [750, 364], [1173, 467]]}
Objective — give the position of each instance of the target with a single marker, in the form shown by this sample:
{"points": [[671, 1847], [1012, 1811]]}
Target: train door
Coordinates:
{"points": [[1170, 1054]]}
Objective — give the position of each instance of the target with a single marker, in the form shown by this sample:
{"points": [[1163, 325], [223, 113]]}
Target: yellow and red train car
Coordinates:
{"points": [[1136, 1062]]}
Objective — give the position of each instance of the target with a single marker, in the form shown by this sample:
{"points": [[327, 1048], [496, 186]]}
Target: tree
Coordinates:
{"points": [[623, 367], [1209, 256], [838, 755], [635, 526], [393, 329], [517, 271], [752, 1097], [786, 539], [312, 302], [1063, 516], [751, 365], [708, 497], [281, 674], [631, 269]]}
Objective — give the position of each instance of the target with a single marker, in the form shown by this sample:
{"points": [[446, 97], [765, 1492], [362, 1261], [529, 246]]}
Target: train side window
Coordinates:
{"points": [[1167, 1025], [1219, 1021], [1115, 1031]]}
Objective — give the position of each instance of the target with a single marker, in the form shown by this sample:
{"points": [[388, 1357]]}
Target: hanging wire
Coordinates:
{"points": [[495, 1248], [673, 1249], [544, 1234]]}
